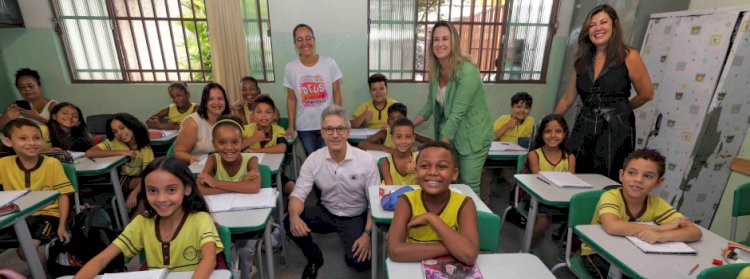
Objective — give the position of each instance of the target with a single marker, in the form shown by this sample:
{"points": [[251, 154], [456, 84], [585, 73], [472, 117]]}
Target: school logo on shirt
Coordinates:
{"points": [[313, 91], [190, 253]]}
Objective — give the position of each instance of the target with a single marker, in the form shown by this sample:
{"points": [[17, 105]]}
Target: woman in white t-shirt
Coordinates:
{"points": [[312, 83]]}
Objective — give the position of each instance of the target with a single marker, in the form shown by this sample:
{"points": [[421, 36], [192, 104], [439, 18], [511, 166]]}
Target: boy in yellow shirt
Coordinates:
{"points": [[619, 209], [29, 170], [374, 113]]}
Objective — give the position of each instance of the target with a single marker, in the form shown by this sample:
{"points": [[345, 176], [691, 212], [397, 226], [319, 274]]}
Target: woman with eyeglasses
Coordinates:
{"points": [[312, 82], [456, 101]]}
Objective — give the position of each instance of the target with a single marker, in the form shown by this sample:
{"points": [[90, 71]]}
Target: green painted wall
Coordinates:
{"points": [[39, 48], [6, 85]]}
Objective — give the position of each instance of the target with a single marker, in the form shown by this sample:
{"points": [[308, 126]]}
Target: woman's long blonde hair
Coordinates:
{"points": [[456, 57]]}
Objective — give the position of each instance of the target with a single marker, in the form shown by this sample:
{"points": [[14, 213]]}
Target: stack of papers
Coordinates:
{"points": [[506, 146], [266, 198], [146, 274], [7, 197], [563, 179], [672, 247]]}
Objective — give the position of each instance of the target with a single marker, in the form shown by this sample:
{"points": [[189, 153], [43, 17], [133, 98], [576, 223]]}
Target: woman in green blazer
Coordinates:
{"points": [[457, 102]]}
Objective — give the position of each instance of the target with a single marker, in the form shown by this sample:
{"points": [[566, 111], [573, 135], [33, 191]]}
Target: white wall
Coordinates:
{"points": [[708, 4]]}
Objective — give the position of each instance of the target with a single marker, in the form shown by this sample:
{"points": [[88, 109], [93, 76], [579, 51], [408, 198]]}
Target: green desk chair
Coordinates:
{"points": [[520, 205], [70, 172], [283, 122], [380, 172], [723, 271], [489, 232], [740, 208], [582, 206]]}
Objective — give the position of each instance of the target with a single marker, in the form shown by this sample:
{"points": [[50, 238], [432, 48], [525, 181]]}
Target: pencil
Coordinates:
{"points": [[693, 269]]}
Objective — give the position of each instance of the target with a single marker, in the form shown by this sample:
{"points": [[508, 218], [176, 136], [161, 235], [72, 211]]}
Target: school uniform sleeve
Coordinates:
{"points": [[147, 155], [60, 181], [207, 230], [664, 212], [105, 145], [248, 130], [609, 203], [130, 241], [500, 122]]}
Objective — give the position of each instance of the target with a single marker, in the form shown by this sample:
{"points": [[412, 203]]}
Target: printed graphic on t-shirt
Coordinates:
{"points": [[313, 91]]}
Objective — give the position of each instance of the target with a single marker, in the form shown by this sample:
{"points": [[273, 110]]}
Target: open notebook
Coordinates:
{"points": [[506, 146], [237, 201], [146, 274], [672, 247], [563, 179]]}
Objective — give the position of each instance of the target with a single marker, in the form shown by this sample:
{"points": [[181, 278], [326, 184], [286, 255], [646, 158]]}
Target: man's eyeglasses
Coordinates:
{"points": [[304, 39], [339, 130]]}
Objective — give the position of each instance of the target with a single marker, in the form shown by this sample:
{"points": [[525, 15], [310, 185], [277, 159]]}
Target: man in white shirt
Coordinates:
{"points": [[342, 173]]}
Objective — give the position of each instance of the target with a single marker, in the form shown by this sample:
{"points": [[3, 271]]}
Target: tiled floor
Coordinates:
{"points": [[335, 267]]}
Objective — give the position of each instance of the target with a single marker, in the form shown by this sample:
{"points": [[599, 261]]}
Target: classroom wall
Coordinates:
{"points": [[6, 86], [721, 224], [341, 31]]}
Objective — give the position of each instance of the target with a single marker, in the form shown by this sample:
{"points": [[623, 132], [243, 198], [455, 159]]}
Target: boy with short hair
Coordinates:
{"points": [[399, 167], [643, 171], [28, 170], [370, 113], [382, 140], [518, 123], [509, 128]]}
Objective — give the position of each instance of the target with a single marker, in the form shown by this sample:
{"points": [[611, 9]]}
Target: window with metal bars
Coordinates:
{"points": [[508, 40], [152, 40]]}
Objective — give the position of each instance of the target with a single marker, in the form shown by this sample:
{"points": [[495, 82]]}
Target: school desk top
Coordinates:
{"points": [[490, 265]]}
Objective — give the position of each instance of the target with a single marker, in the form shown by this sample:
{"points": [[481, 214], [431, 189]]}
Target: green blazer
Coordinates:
{"points": [[464, 118]]}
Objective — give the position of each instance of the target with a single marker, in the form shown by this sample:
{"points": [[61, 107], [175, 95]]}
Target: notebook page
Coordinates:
{"points": [[7, 197], [672, 247]]}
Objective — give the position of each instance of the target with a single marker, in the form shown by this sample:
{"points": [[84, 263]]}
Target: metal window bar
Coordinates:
{"points": [[256, 24], [145, 40], [526, 25]]}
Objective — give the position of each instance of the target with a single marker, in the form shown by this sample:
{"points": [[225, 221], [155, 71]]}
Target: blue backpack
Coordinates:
{"points": [[388, 202]]}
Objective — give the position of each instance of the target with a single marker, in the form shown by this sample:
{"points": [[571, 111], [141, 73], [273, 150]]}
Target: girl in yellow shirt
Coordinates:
{"points": [[176, 220]]}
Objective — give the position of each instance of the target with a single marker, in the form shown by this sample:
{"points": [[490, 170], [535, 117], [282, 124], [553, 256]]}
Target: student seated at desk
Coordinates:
{"points": [[176, 112], [370, 113], [176, 220], [550, 154], [67, 129], [126, 135], [643, 171], [28, 170], [382, 140], [398, 168], [265, 136], [434, 221], [229, 170]]}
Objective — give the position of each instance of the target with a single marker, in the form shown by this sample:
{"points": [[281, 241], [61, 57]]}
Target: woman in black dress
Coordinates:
{"points": [[605, 69]]}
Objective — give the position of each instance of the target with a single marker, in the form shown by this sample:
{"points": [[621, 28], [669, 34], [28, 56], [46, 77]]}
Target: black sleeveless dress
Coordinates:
{"points": [[604, 132]]}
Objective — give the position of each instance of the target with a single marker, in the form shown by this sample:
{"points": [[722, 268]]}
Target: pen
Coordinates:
{"points": [[92, 159], [693, 269], [542, 180]]}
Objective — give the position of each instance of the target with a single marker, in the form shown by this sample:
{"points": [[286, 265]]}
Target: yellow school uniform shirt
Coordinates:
{"points": [[449, 215], [136, 165], [45, 136], [512, 135], [221, 172], [47, 175], [744, 274], [397, 177], [545, 165], [379, 117], [656, 210], [175, 116], [182, 253], [277, 132]]}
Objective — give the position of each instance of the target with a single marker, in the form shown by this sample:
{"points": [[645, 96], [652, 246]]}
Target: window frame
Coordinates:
{"points": [[505, 27]]}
